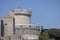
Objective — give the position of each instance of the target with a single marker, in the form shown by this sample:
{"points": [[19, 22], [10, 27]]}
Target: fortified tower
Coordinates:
{"points": [[22, 16], [21, 27]]}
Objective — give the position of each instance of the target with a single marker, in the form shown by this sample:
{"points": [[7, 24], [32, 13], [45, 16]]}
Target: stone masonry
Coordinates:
{"points": [[16, 26]]}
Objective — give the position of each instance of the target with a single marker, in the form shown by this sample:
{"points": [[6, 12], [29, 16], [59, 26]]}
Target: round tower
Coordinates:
{"points": [[22, 16]]}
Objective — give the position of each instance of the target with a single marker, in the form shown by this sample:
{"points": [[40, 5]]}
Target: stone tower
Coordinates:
{"points": [[22, 16], [19, 27]]}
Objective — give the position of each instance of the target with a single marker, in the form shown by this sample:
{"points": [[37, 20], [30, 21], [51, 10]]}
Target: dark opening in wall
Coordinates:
{"points": [[21, 26], [13, 25], [5, 23], [2, 28], [30, 26]]}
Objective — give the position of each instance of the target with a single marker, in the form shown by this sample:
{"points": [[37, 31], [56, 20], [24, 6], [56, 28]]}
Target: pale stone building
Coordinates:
{"points": [[16, 26]]}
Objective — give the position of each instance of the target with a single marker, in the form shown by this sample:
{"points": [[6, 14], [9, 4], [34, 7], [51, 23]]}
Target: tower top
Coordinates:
{"points": [[20, 11], [22, 16]]}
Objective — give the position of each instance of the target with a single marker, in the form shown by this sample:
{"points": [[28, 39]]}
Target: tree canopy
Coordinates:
{"points": [[45, 34]]}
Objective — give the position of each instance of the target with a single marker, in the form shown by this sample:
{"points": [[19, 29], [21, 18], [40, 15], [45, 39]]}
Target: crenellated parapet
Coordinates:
{"points": [[32, 26], [27, 29], [21, 12]]}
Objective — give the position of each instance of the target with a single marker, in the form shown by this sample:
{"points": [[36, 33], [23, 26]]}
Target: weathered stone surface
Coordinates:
{"points": [[17, 26]]}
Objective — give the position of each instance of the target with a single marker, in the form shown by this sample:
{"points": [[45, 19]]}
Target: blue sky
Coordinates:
{"points": [[44, 12]]}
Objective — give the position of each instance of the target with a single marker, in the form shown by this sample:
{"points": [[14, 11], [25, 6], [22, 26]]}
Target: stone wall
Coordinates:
{"points": [[25, 32], [28, 31], [8, 26]]}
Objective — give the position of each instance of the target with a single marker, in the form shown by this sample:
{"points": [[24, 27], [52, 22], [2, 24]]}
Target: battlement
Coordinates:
{"points": [[31, 26], [24, 29], [22, 11]]}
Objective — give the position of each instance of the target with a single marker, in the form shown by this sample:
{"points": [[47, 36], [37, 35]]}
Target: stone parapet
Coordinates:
{"points": [[22, 11], [27, 29], [33, 26]]}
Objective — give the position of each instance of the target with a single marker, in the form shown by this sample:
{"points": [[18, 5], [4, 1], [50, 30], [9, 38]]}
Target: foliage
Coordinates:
{"points": [[55, 32], [45, 34]]}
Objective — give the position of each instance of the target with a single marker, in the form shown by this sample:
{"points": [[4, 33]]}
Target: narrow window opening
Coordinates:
{"points": [[5, 23], [2, 28]]}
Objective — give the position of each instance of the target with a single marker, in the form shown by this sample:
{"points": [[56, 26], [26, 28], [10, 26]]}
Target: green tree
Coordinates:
{"points": [[45, 34], [55, 32]]}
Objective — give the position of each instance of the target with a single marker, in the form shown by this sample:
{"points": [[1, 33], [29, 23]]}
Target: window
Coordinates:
{"points": [[5, 23], [2, 28]]}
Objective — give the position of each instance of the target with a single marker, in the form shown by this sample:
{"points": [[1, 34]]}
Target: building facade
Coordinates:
{"points": [[16, 26]]}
